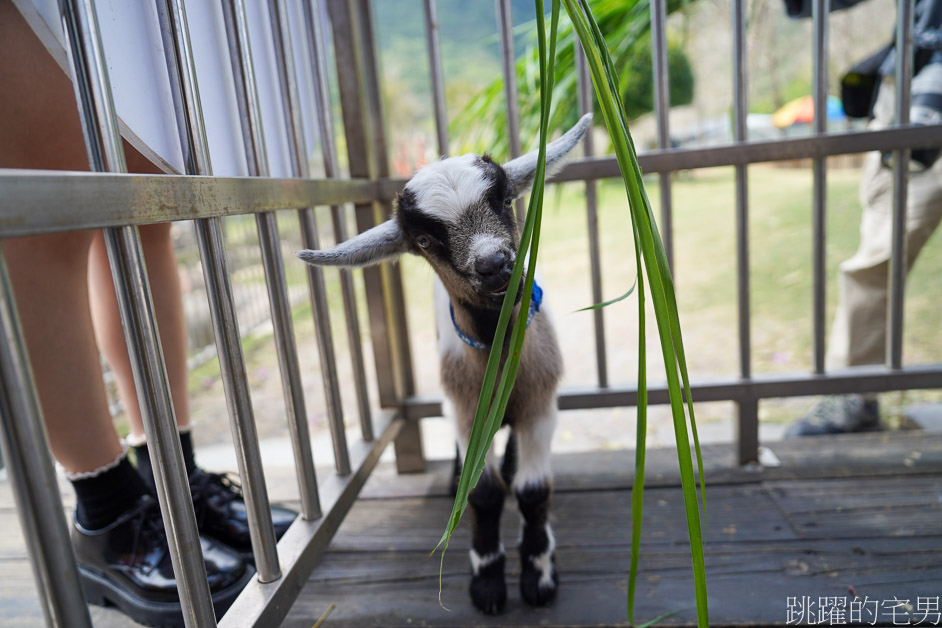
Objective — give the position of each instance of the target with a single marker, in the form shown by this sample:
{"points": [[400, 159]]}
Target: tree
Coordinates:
{"points": [[626, 25]]}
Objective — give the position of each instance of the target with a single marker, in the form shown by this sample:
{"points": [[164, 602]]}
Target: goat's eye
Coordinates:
{"points": [[508, 202], [423, 240]]}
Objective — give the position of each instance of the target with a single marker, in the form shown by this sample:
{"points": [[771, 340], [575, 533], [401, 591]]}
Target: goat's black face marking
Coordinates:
{"points": [[500, 195], [455, 213]]}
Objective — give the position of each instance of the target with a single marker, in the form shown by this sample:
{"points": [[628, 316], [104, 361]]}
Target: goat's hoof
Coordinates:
{"points": [[488, 587], [538, 582]]}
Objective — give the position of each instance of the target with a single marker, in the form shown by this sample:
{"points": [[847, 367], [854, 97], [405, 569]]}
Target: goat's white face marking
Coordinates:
{"points": [[447, 188], [483, 245]]}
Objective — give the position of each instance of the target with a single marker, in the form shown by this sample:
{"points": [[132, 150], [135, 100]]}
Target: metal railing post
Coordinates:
{"points": [[505, 29], [351, 21], [819, 201], [897, 273], [26, 453], [437, 77], [106, 153], [256, 156], [592, 219], [662, 114], [189, 117], [317, 48], [747, 439]]}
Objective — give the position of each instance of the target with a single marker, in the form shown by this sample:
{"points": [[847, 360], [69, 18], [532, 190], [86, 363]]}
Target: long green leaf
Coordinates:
{"points": [[641, 432], [599, 306], [662, 297]]}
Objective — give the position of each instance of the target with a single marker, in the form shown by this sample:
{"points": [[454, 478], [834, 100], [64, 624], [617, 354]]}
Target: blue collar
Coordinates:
{"points": [[536, 298]]}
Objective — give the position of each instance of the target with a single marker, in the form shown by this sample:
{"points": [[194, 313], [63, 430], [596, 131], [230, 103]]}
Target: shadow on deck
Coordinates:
{"points": [[841, 515]]}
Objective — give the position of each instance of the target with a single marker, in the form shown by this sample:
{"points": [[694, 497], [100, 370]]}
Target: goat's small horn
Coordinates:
{"points": [[522, 169]]}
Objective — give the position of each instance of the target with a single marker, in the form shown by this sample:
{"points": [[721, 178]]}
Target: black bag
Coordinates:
{"points": [[859, 86]]}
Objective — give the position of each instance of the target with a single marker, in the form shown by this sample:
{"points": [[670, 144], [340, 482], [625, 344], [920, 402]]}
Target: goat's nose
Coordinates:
{"points": [[492, 264]]}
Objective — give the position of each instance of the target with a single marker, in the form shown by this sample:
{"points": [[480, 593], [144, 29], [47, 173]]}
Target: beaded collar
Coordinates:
{"points": [[536, 297]]}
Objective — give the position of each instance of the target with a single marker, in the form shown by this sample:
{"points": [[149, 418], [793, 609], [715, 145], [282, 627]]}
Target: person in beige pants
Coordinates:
{"points": [[858, 335]]}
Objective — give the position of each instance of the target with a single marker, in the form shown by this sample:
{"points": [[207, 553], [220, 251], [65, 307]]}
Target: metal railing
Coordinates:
{"points": [[30, 203]]}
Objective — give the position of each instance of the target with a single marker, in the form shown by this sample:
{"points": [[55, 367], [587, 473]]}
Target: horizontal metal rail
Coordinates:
{"points": [[857, 380], [31, 200], [300, 549], [745, 153]]}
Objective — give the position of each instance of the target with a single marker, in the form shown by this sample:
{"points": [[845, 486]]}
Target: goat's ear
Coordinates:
{"points": [[522, 169], [382, 242]]}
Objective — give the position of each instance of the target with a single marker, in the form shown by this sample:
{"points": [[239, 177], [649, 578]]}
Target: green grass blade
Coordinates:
{"points": [[603, 77], [656, 620], [599, 306], [637, 487]]}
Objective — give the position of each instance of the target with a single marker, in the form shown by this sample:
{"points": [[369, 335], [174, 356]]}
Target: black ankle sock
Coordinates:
{"points": [[143, 458], [104, 497]]}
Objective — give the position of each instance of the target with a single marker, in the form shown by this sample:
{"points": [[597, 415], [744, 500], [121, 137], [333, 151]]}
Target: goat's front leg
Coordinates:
{"points": [[533, 488], [488, 587]]}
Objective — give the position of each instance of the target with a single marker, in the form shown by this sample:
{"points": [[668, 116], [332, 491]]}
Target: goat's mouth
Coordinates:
{"points": [[502, 290]]}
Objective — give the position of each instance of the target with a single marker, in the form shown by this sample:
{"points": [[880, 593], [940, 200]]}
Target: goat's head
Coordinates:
{"points": [[458, 214]]}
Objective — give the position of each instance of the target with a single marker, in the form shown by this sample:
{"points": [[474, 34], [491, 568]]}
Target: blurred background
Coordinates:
{"points": [[779, 54]]}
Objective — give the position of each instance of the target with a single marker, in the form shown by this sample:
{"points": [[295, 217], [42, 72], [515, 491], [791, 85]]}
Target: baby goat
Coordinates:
{"points": [[457, 213]]}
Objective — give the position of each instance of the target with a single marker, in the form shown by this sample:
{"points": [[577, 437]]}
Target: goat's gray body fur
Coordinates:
{"points": [[457, 213]]}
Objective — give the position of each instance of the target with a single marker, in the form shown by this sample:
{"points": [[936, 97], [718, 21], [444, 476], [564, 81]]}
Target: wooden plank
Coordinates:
{"points": [[19, 605], [877, 536], [584, 518], [748, 585], [886, 454]]}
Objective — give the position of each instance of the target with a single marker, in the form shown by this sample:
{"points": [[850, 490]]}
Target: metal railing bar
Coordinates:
{"points": [[742, 190], [437, 76], [29, 205], [373, 101], [135, 304], [266, 604], [747, 439], [27, 459], [897, 271], [408, 446], [189, 118], [509, 68], [819, 194], [318, 51], [864, 379], [325, 342], [592, 219], [270, 243], [31, 200], [356, 125], [662, 115], [748, 153]]}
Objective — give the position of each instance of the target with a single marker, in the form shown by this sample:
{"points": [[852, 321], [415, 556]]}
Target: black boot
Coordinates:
{"points": [[217, 500], [221, 514], [126, 564]]}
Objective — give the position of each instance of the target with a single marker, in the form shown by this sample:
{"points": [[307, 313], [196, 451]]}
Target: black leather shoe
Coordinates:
{"points": [[127, 565], [220, 511]]}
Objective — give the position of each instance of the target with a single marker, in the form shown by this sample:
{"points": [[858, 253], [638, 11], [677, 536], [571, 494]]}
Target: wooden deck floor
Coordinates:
{"points": [[841, 515]]}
